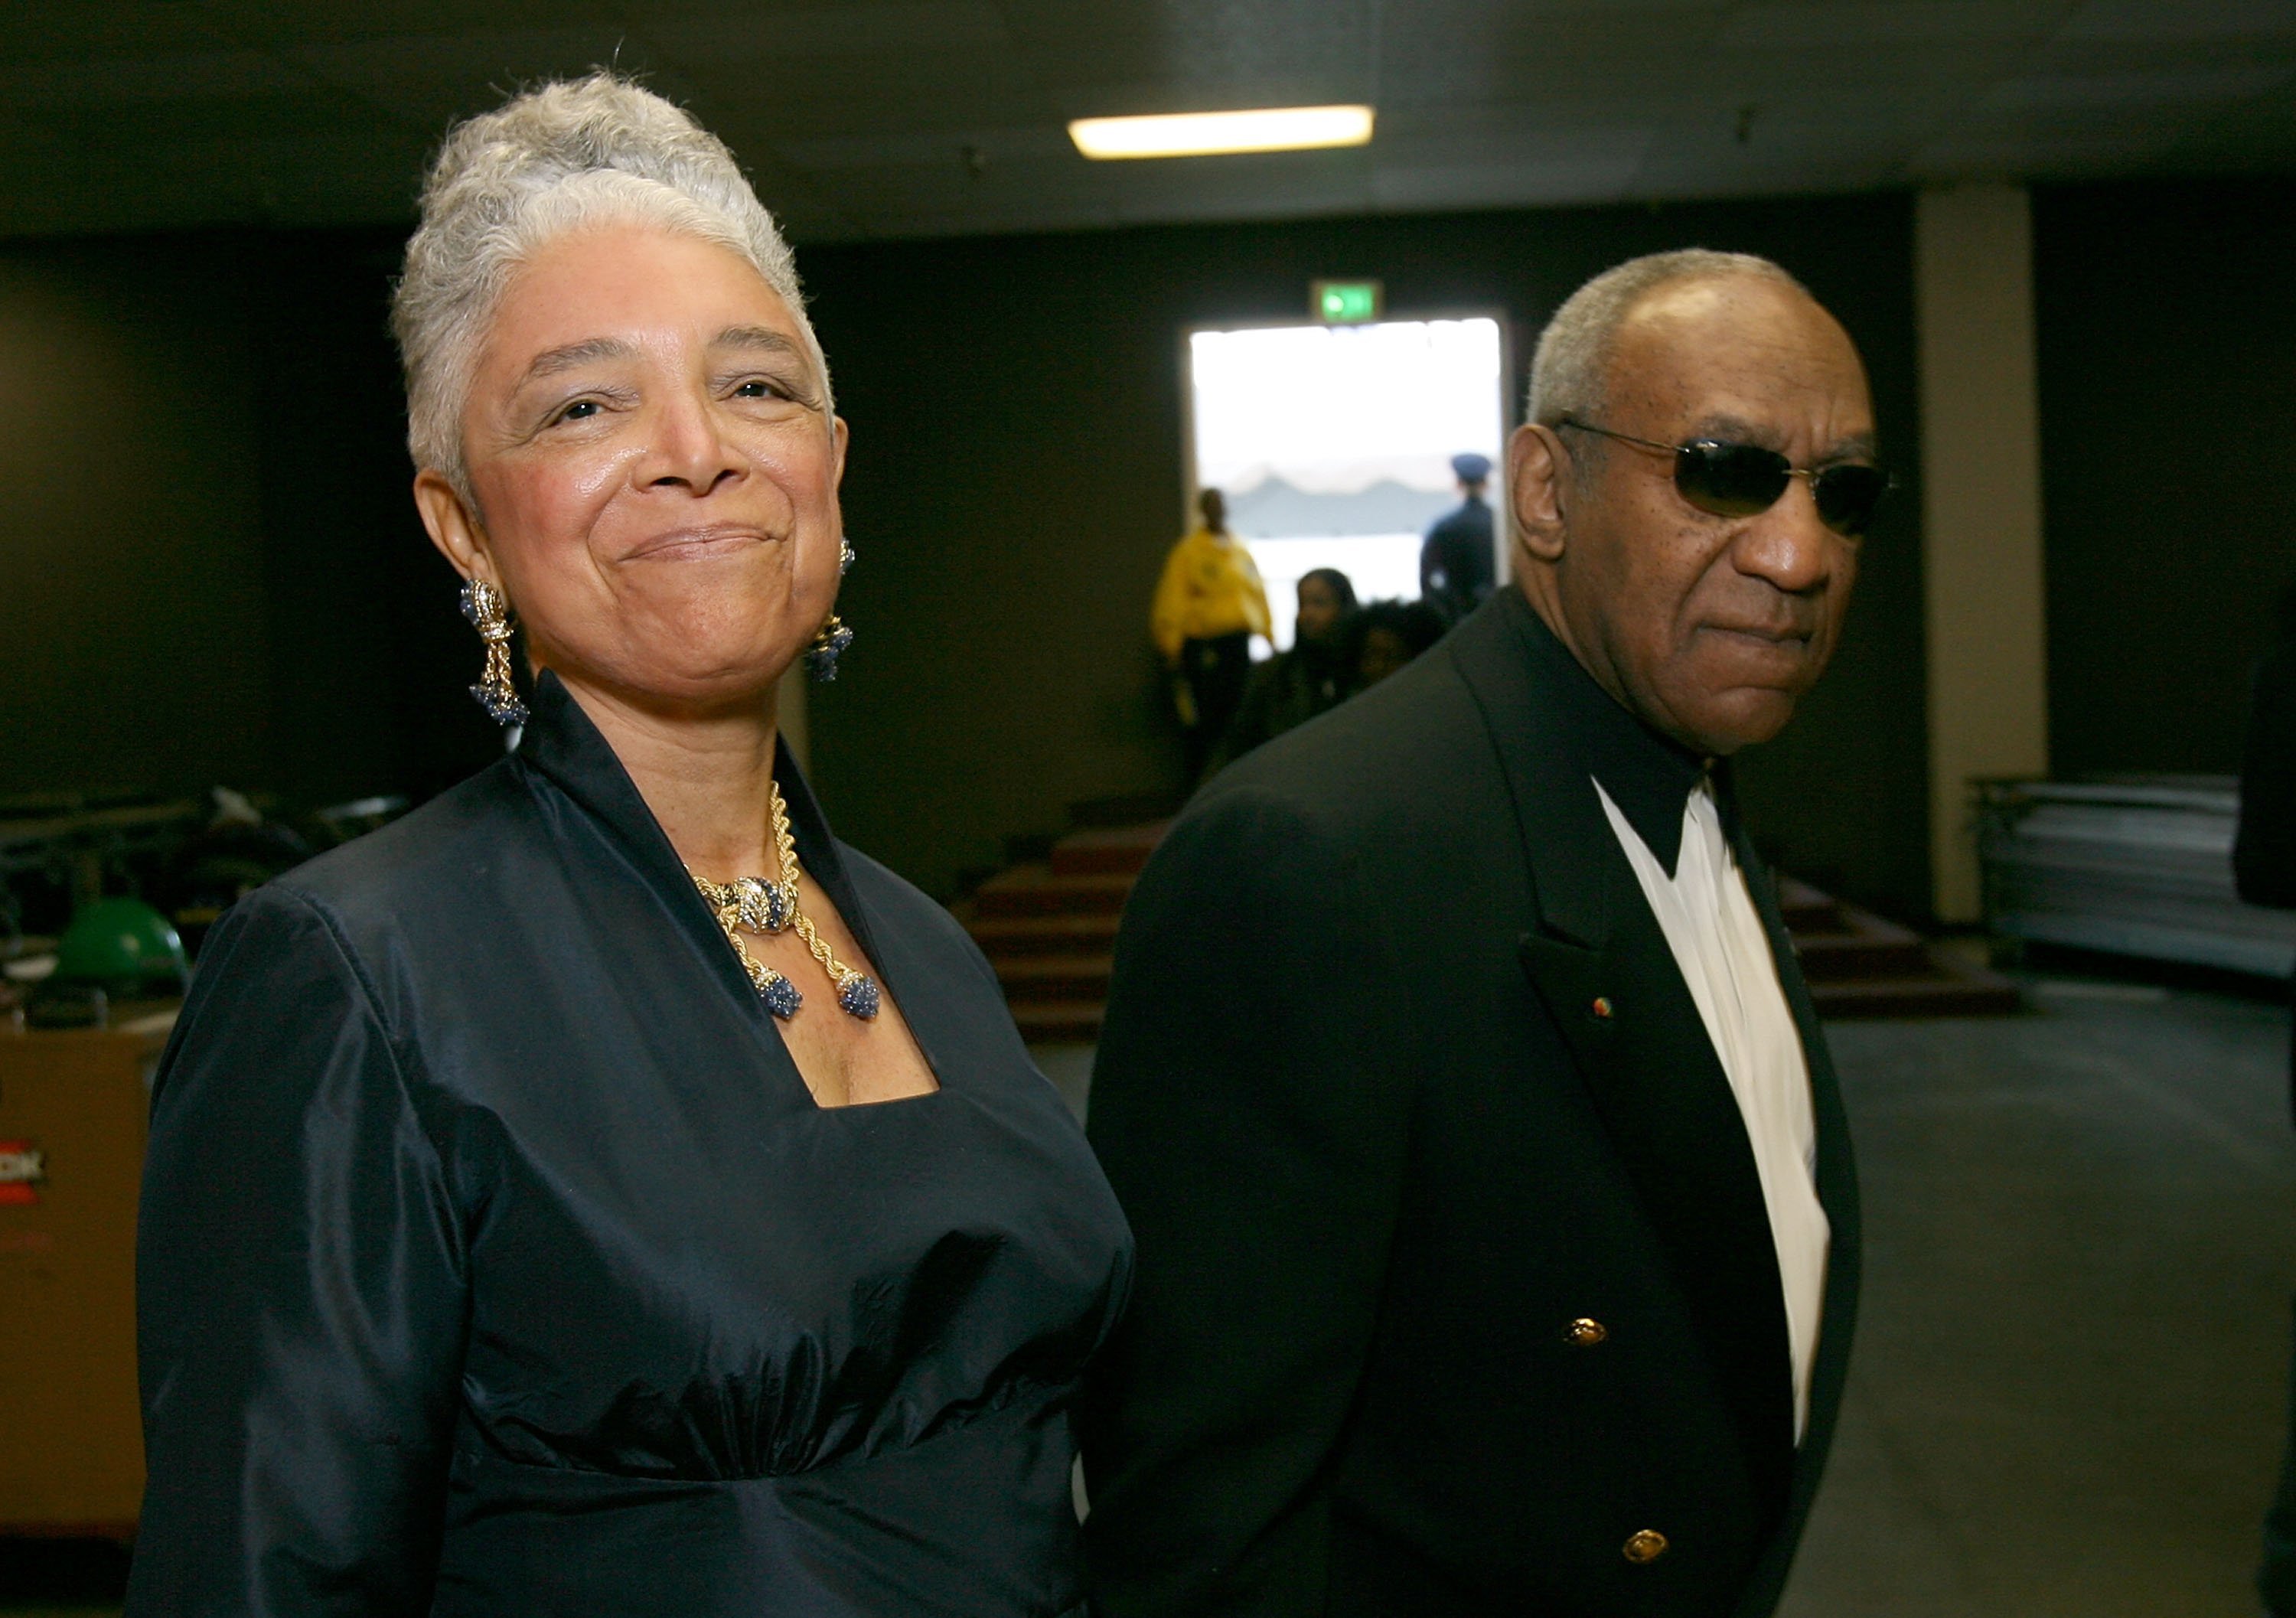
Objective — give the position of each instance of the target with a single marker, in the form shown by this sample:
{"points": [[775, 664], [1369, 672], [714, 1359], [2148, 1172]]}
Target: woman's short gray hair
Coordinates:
{"points": [[564, 156], [1571, 371]]}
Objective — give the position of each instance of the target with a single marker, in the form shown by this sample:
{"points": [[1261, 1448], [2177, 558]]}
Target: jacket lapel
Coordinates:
{"points": [[1598, 960]]}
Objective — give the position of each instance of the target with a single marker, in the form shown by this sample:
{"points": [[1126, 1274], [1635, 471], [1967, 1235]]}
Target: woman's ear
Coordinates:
{"points": [[453, 528], [1537, 470]]}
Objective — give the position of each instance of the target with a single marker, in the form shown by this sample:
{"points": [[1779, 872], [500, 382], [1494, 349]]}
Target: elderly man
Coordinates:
{"points": [[1497, 1232]]}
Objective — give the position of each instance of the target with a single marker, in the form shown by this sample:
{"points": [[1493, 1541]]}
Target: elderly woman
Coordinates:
{"points": [[603, 1192]]}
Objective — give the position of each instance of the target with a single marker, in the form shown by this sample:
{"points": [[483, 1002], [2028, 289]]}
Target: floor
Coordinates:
{"points": [[2070, 1380], [2071, 1370]]}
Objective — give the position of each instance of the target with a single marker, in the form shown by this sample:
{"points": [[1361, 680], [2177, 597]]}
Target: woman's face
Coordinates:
{"points": [[1319, 609], [656, 480]]}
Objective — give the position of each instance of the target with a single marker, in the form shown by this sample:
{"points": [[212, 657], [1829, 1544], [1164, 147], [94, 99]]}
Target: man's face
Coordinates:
{"points": [[1711, 627]]}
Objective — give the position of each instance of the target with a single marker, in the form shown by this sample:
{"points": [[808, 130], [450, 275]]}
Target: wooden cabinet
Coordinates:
{"points": [[73, 1113]]}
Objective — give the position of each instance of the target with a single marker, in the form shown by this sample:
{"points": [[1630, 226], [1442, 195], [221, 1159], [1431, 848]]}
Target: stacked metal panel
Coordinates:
{"points": [[2130, 864]]}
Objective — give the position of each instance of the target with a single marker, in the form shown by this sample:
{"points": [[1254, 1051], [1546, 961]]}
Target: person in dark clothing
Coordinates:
{"points": [[1307, 678], [511, 1244], [2264, 870], [1498, 1224], [1457, 565], [1385, 636]]}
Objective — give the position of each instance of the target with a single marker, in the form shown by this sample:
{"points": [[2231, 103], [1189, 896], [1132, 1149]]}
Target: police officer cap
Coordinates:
{"points": [[1470, 467]]}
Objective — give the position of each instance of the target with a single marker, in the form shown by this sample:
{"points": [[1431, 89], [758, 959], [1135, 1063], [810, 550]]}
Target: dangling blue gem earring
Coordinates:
{"points": [[829, 645], [489, 615], [820, 657]]}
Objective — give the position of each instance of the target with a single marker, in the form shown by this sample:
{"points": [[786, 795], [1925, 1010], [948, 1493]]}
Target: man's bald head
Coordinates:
{"points": [[1570, 375]]}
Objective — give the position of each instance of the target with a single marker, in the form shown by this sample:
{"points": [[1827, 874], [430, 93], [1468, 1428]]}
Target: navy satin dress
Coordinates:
{"points": [[495, 1260]]}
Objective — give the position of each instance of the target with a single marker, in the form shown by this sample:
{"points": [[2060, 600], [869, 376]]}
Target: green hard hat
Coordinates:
{"points": [[123, 944]]}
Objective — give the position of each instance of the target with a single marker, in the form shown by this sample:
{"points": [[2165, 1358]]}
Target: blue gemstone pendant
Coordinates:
{"points": [[858, 994], [781, 996]]}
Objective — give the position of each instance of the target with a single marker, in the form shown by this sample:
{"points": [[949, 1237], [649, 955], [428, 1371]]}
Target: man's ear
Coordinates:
{"points": [[454, 526], [1538, 472]]}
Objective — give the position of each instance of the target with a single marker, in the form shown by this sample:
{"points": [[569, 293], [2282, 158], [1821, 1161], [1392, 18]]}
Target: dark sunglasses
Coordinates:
{"points": [[1726, 480]]}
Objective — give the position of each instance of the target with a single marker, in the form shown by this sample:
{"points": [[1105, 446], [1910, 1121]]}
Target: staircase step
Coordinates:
{"points": [[1056, 977], [1114, 848], [1944, 995], [1860, 946], [1807, 909], [1058, 1022], [1000, 937], [1858, 964], [1033, 889], [1127, 808], [1850, 957]]}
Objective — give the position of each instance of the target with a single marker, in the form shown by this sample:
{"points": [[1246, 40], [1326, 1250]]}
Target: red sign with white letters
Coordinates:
{"points": [[23, 1170]]}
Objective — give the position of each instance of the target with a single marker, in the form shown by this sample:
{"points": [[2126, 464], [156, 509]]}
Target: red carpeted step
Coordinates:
{"points": [[1806, 908], [1033, 889], [1002, 936], [1858, 964], [1058, 1022], [1949, 993], [1858, 947], [1055, 977], [1108, 849]]}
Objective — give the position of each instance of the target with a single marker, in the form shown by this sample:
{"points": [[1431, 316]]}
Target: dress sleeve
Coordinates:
{"points": [[1256, 1137], [300, 1294]]}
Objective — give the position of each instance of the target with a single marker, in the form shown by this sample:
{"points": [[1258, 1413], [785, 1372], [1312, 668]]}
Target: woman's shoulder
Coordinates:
{"points": [[381, 873]]}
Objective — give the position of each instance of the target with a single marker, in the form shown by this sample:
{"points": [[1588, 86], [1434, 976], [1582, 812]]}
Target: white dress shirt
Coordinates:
{"points": [[1717, 937]]}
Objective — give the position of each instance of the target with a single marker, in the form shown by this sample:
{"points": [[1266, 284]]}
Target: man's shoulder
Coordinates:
{"points": [[1395, 751]]}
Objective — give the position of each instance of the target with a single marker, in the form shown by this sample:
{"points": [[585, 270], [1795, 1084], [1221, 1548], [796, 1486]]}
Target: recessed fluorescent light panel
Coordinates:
{"points": [[1207, 134]]}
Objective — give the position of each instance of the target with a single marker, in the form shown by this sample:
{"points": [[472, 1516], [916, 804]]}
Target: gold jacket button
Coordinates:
{"points": [[1583, 1333], [1648, 1545], [1603, 1008]]}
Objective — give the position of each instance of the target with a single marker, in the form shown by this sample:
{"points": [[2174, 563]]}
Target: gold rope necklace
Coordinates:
{"points": [[770, 905]]}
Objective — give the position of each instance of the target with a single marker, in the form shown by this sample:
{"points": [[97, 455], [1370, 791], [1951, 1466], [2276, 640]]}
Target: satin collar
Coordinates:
{"points": [[1649, 777], [561, 743]]}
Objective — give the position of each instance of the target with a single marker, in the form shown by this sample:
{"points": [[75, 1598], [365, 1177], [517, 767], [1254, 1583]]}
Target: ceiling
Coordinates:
{"points": [[903, 117]]}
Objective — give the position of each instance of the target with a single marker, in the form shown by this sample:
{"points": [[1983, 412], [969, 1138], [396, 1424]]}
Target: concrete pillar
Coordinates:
{"points": [[1984, 606]]}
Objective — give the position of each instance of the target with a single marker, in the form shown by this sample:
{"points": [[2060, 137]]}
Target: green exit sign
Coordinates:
{"points": [[1346, 303]]}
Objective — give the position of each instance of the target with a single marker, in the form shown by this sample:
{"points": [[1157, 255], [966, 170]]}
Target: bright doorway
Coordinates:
{"points": [[1333, 444]]}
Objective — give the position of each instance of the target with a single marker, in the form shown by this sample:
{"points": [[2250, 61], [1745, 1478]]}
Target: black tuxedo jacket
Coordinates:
{"points": [[1402, 1088]]}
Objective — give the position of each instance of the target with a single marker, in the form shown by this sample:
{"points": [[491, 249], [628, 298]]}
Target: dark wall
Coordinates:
{"points": [[132, 629], [220, 541], [1015, 478], [2167, 344], [210, 570], [371, 659]]}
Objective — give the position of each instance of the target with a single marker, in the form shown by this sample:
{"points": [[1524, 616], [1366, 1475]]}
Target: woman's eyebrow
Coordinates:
{"points": [[756, 337], [550, 362]]}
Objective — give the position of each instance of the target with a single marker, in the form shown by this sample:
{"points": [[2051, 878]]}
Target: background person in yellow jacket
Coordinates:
{"points": [[1208, 605]]}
